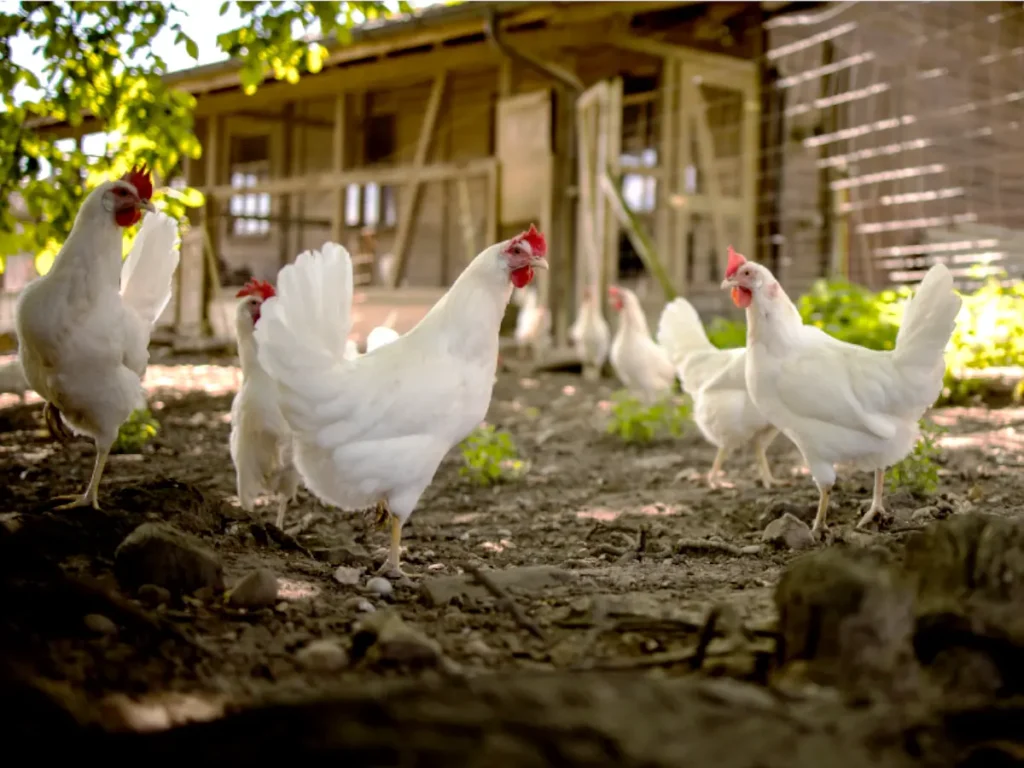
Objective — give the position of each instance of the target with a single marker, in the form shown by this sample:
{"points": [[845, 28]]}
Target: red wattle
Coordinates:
{"points": [[126, 217], [742, 297], [521, 277]]}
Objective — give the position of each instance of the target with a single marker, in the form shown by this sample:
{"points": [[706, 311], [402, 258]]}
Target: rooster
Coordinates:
{"points": [[716, 380], [839, 402], [641, 365], [83, 328], [590, 335], [373, 431], [533, 324], [260, 441]]}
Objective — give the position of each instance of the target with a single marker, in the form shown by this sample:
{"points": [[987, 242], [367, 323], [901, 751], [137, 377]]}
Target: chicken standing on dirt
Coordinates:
{"points": [[261, 440], [533, 324], [373, 431], [83, 328], [839, 402], [641, 365], [590, 336], [716, 380]]}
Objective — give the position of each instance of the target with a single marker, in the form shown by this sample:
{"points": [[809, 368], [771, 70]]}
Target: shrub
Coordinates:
{"points": [[636, 422], [489, 457]]}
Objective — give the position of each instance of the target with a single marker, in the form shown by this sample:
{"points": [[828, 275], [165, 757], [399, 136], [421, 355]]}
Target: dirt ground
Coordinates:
{"points": [[635, 552]]}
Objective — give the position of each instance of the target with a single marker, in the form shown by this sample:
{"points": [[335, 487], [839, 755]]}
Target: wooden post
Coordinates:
{"points": [[284, 229], [466, 218], [411, 198], [338, 165], [706, 148], [669, 182], [212, 223], [191, 285], [493, 203]]}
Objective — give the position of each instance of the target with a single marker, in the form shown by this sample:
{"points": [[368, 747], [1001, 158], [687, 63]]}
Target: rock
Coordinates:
{"points": [[441, 590], [348, 576], [256, 590], [788, 531], [100, 624], [347, 554], [751, 549], [323, 656], [475, 646], [924, 514], [152, 595], [360, 605], [380, 586], [776, 508], [859, 538], [156, 553], [384, 637]]}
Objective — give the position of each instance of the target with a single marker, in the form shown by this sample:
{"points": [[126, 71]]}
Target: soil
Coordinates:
{"points": [[626, 555]]}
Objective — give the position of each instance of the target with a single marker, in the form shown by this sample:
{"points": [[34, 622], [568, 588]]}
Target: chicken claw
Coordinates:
{"points": [[817, 529], [716, 469], [55, 423], [77, 501], [391, 568], [876, 500]]}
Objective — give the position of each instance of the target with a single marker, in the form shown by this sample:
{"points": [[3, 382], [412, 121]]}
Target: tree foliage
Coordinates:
{"points": [[98, 63]]}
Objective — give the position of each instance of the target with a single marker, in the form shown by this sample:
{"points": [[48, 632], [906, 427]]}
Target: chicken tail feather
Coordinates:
{"points": [[148, 270], [928, 322], [680, 331]]}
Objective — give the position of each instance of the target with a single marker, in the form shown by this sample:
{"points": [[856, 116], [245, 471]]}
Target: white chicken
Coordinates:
{"points": [[260, 440], [13, 381], [382, 334], [372, 431], [716, 380], [533, 324], [839, 402], [590, 336], [84, 327], [641, 365]]}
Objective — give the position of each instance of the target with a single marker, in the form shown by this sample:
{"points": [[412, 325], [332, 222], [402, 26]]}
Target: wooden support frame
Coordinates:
{"points": [[706, 150], [338, 165], [411, 198]]}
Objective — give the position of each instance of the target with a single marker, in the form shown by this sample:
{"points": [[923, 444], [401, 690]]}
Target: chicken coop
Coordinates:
{"points": [[861, 139]]}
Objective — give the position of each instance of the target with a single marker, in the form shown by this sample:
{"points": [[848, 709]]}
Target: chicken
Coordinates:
{"points": [[716, 380], [590, 336], [838, 402], [641, 365], [372, 431], [13, 381], [84, 327], [533, 324], [261, 440], [382, 334]]}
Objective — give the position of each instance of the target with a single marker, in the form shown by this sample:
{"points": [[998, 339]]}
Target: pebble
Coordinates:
{"points": [[348, 577], [152, 595], [256, 590], [380, 586], [751, 549], [475, 646], [323, 656], [788, 531], [925, 513], [157, 553], [100, 624]]}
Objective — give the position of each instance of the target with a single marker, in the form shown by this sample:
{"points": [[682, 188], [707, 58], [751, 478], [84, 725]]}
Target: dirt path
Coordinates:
{"points": [[613, 554]]}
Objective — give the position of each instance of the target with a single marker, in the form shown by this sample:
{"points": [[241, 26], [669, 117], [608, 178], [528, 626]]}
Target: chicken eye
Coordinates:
{"points": [[120, 192]]}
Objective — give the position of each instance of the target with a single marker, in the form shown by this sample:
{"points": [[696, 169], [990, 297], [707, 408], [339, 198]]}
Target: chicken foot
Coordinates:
{"points": [[764, 469], [91, 496], [819, 519], [716, 467], [876, 500], [391, 567]]}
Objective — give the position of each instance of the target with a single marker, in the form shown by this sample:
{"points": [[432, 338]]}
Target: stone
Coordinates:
{"points": [[441, 590], [348, 576], [152, 595], [323, 656], [380, 586], [100, 624], [156, 553], [257, 590], [788, 531]]}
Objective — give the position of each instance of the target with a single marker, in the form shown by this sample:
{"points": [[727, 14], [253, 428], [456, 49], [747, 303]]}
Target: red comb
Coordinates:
{"points": [[736, 261], [255, 287], [613, 290], [141, 180], [538, 245]]}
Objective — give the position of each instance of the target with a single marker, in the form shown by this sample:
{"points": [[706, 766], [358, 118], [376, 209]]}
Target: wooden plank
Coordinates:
{"points": [[466, 218], [683, 206], [212, 223], [523, 147], [668, 180], [338, 166], [716, 61], [411, 198], [329, 180], [493, 203], [612, 105], [286, 170]]}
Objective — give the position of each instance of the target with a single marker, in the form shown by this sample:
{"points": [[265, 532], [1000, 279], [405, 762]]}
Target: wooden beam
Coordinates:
{"points": [[273, 117], [466, 218], [717, 61], [493, 203], [287, 163], [706, 149], [411, 198], [669, 181], [338, 165], [212, 223], [329, 181]]}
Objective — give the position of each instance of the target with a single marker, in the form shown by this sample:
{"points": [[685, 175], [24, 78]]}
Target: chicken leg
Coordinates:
{"points": [[91, 496], [716, 467], [761, 443], [819, 519], [876, 500], [391, 567]]}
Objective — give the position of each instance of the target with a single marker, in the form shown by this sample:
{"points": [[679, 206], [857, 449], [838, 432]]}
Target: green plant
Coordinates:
{"points": [[854, 314], [727, 334], [919, 471], [140, 428], [489, 457], [637, 422]]}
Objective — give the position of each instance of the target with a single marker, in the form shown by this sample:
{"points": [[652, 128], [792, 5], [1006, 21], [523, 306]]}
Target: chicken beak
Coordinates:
{"points": [[540, 263], [728, 283], [147, 205]]}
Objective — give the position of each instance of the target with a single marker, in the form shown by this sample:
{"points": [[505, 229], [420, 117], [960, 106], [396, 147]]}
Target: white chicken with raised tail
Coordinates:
{"points": [[590, 336], [83, 328], [641, 365], [371, 432], [716, 380], [839, 402], [260, 439]]}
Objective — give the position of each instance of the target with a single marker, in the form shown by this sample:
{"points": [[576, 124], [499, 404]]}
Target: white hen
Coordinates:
{"points": [[372, 431], [383, 334], [533, 324], [716, 380], [83, 328], [641, 365], [260, 440], [838, 402], [590, 336]]}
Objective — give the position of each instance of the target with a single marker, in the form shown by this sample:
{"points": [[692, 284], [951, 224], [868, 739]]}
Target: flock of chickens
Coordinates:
{"points": [[370, 430]]}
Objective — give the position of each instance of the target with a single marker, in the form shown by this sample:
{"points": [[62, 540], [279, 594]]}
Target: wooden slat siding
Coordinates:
{"points": [[937, 58]]}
